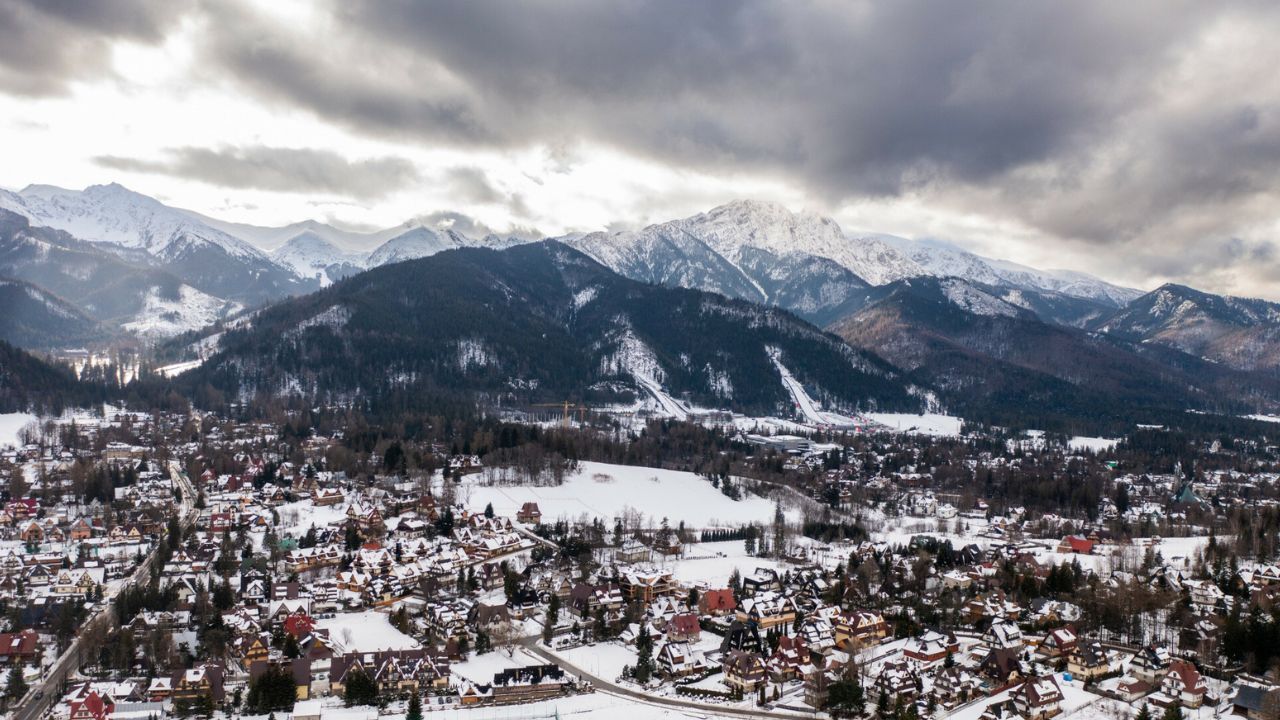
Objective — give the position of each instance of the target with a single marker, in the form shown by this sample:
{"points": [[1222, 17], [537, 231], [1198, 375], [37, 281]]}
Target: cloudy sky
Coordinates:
{"points": [[1136, 140]]}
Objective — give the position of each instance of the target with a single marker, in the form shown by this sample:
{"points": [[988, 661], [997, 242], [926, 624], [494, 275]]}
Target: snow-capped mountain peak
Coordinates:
{"points": [[113, 213], [310, 255]]}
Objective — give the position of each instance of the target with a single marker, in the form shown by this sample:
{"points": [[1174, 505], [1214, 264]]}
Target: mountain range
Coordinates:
{"points": [[539, 320], [94, 266]]}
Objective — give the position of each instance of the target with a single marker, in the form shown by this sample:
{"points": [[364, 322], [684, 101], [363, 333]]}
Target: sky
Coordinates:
{"points": [[1136, 140]]}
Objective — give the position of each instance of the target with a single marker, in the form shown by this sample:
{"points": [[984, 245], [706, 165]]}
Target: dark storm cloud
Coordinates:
{"points": [[46, 44], [280, 169], [858, 99], [1142, 127]]}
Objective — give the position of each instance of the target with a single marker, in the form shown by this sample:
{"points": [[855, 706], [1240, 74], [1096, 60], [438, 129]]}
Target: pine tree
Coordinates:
{"points": [[17, 686], [360, 689], [553, 616], [1144, 713], [779, 530], [415, 708], [644, 656]]}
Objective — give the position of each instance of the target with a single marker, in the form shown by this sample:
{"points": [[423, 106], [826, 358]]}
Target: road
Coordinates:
{"points": [[530, 644], [43, 695]]}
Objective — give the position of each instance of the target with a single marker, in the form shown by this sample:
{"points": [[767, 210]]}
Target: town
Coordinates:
{"points": [[160, 564]]}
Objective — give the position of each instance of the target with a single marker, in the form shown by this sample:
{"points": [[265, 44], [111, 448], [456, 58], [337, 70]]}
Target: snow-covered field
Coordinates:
{"points": [[296, 517], [11, 425], [603, 490], [366, 632], [712, 563], [927, 424], [1093, 444]]}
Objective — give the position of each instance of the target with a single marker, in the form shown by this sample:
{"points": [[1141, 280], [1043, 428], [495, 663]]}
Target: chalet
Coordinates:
{"points": [[323, 497], [744, 671], [898, 678], [529, 684], [529, 513], [859, 629], [1256, 702], [684, 627], [22, 647], [646, 584], [1003, 634], [1038, 697], [1088, 660], [203, 680], [768, 610], [632, 551], [931, 646], [787, 661], [1059, 643], [1183, 683], [741, 636], [762, 580], [679, 659], [954, 686], [1150, 664], [92, 707], [717, 602]]}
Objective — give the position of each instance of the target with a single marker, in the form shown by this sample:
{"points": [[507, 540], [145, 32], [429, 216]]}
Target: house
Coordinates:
{"points": [[859, 629], [788, 660], [931, 646], [1003, 634], [1038, 697], [529, 513], [632, 551], [1059, 643], [679, 659], [529, 684], [1002, 665], [741, 636], [953, 687], [684, 627], [1088, 660], [198, 681], [717, 603], [1256, 702], [768, 610], [22, 647], [1183, 683], [743, 671], [92, 707], [1075, 545], [1150, 664]]}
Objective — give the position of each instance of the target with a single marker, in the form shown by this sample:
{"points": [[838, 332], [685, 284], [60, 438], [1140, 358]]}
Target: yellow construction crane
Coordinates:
{"points": [[566, 405]]}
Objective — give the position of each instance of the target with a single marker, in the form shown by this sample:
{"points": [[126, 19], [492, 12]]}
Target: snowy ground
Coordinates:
{"points": [[603, 490], [1094, 444], [594, 706], [713, 563], [11, 425], [482, 668], [366, 632], [296, 517], [927, 424]]}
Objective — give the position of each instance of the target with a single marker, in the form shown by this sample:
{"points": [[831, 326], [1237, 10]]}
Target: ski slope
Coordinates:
{"points": [[809, 409]]}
